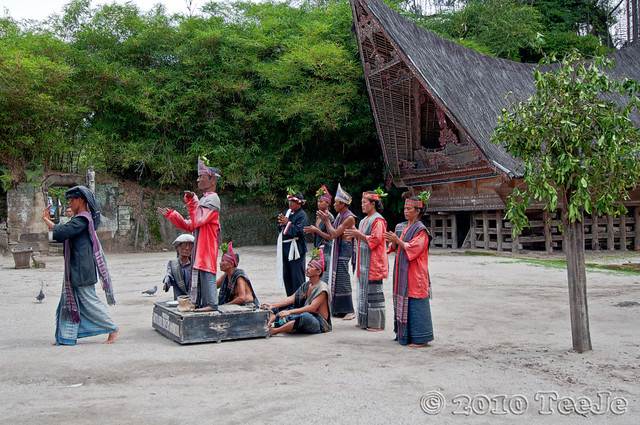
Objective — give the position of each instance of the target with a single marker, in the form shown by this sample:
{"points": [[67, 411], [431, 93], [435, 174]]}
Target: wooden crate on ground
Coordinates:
{"points": [[228, 323]]}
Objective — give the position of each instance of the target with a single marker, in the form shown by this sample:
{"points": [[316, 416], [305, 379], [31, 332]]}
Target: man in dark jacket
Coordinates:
{"points": [[80, 312]]}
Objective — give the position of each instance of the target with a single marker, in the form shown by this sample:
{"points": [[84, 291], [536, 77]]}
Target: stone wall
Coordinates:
{"points": [[125, 208]]}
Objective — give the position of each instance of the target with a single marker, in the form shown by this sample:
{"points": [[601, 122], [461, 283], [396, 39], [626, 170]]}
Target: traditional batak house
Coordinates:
{"points": [[436, 104]]}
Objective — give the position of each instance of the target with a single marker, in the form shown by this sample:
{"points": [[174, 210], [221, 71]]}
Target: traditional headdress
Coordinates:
{"points": [[377, 195], [205, 169], [185, 237], [293, 195], [423, 197], [92, 205], [317, 260], [228, 255], [343, 196], [323, 194]]}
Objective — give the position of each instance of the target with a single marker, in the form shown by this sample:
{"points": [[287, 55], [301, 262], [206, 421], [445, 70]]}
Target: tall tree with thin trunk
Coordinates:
{"points": [[580, 152]]}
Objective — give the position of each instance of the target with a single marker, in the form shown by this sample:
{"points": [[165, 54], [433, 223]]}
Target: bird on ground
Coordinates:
{"points": [[151, 291], [40, 296]]}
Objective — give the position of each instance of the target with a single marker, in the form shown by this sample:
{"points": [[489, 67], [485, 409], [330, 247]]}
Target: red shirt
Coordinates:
{"points": [[207, 221], [418, 255], [379, 265]]}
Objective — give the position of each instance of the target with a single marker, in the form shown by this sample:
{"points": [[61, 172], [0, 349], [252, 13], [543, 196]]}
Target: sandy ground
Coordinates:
{"points": [[502, 354]]}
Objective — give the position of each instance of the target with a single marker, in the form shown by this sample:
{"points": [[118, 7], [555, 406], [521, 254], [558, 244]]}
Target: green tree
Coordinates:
{"points": [[39, 107], [580, 153]]}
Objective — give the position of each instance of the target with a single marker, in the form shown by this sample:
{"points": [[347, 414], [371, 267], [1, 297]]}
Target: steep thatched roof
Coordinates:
{"points": [[469, 86]]}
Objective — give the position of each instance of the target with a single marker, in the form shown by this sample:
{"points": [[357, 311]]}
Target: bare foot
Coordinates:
{"points": [[375, 330], [418, 345], [207, 308], [349, 316], [112, 337]]}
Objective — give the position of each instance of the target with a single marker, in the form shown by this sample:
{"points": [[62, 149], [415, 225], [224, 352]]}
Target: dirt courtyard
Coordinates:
{"points": [[502, 354]]}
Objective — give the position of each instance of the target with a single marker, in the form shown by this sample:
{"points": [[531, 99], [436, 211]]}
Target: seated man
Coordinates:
{"points": [[235, 287], [308, 310], [178, 274]]}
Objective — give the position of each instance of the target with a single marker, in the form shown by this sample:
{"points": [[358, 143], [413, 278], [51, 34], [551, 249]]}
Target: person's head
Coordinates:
{"points": [[229, 260], [316, 265], [413, 208], [77, 204], [324, 199], [296, 201], [184, 245], [81, 199], [342, 200], [207, 177], [371, 203], [68, 211]]}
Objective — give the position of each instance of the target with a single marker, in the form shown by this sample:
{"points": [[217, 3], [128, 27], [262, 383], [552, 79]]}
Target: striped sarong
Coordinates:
{"points": [[341, 294], [94, 317], [371, 310]]}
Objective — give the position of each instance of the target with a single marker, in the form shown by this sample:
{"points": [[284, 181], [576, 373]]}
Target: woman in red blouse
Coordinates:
{"points": [[412, 319], [373, 265]]}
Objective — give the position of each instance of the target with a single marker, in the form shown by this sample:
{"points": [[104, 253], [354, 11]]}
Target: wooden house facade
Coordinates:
{"points": [[436, 104]]}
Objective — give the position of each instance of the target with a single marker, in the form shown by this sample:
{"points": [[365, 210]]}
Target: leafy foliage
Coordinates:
{"points": [[579, 148], [272, 94]]}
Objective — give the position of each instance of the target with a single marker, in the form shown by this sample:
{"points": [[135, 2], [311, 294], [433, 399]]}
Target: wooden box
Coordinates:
{"points": [[228, 323]]}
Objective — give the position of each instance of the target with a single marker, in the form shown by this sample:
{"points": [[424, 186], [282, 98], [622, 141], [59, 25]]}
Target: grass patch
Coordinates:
{"points": [[627, 268]]}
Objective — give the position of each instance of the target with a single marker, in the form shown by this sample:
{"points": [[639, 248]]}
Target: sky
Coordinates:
{"points": [[40, 9]]}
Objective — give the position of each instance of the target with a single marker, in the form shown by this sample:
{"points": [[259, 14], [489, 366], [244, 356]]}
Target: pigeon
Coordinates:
{"points": [[151, 291], [40, 297]]}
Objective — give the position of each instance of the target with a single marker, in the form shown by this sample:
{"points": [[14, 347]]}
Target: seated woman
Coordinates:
{"points": [[234, 285], [308, 310]]}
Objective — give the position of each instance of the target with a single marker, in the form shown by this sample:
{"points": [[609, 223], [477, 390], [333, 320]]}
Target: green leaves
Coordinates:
{"points": [[579, 148]]}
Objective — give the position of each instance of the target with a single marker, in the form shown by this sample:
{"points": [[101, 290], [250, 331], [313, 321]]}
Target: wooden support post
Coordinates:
{"points": [[485, 229], [636, 227], [454, 232], [546, 223], [623, 232], [499, 229], [595, 242], [472, 231], [444, 231], [434, 231], [610, 233]]}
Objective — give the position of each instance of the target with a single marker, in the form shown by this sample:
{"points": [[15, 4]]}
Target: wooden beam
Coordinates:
{"points": [[454, 232], [623, 232], [485, 228], [472, 231], [499, 230], [636, 227], [610, 233], [595, 242]]}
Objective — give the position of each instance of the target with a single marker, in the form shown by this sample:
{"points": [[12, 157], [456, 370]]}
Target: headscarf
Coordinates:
{"points": [[92, 205], [371, 196], [229, 256], [323, 194], [206, 170], [317, 260], [343, 196], [298, 197]]}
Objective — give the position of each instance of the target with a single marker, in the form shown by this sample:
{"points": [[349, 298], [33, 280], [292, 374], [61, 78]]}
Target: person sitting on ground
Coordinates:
{"points": [[234, 285], [178, 274], [308, 310]]}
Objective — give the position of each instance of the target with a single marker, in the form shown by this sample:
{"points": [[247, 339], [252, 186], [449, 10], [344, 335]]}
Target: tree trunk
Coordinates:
{"points": [[574, 250]]}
